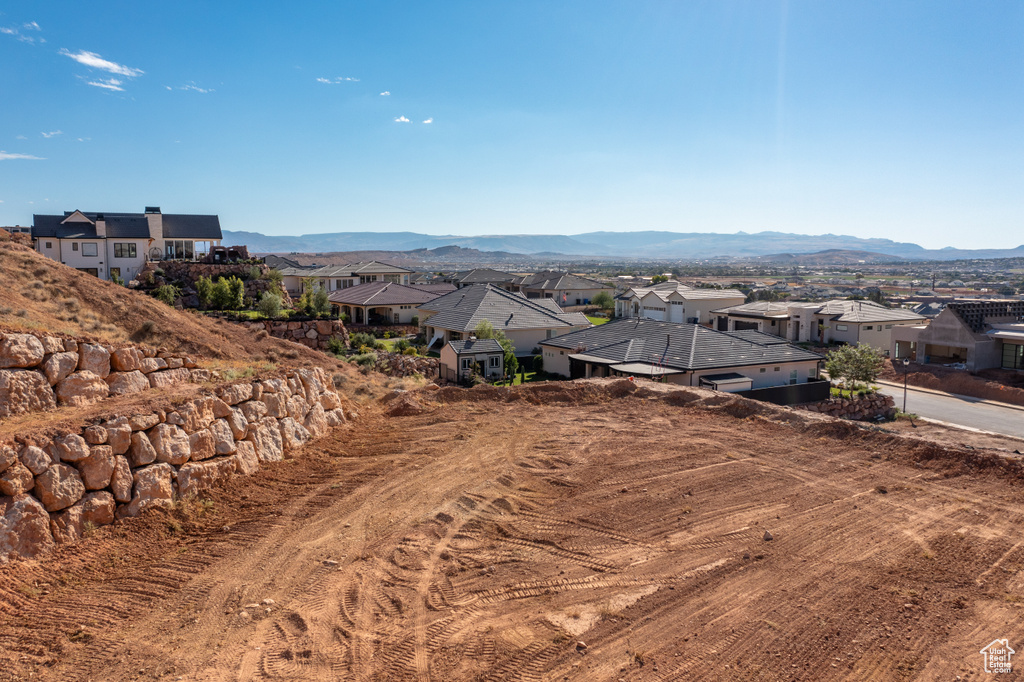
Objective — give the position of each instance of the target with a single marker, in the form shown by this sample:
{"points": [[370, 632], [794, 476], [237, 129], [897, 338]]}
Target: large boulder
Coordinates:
{"points": [[316, 421], [329, 400], [16, 479], [70, 448], [59, 487], [141, 422], [24, 390], [20, 350], [335, 417], [35, 458], [148, 365], [59, 365], [238, 424], [97, 468], [93, 358], [266, 438], [51, 344], [95, 435], [197, 413], [95, 509], [171, 443], [125, 359], [119, 438], [223, 438], [81, 388], [201, 445], [8, 456], [297, 407], [235, 393], [24, 528], [121, 481], [220, 408], [293, 434], [277, 405], [153, 488], [169, 377], [254, 410], [196, 476], [246, 461], [141, 451], [126, 383]]}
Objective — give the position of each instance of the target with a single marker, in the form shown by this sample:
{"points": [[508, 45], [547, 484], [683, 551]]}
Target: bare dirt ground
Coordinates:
{"points": [[482, 536]]}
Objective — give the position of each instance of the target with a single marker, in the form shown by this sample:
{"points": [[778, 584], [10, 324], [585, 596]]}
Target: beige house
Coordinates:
{"points": [[981, 334], [380, 302], [565, 288], [675, 302], [334, 277], [461, 359], [526, 322], [110, 245]]}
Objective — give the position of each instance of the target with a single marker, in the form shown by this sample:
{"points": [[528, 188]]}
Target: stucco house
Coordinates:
{"points": [[680, 353], [119, 244], [982, 334], [380, 302], [526, 322], [460, 359], [675, 302], [565, 288], [334, 277]]}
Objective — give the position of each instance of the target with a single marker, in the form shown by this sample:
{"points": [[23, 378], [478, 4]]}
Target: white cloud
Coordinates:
{"points": [[339, 79], [94, 61], [8, 156], [7, 30], [107, 84], [21, 137], [55, 133], [386, 93], [429, 120], [194, 88], [84, 139], [401, 119], [32, 26]]}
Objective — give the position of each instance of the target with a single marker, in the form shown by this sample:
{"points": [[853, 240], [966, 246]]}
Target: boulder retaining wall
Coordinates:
{"points": [[858, 409], [311, 333]]}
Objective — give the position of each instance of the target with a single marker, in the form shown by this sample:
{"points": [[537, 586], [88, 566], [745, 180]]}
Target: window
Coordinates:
{"points": [[467, 363], [777, 369], [202, 249], [792, 376], [49, 245], [126, 250], [337, 284], [677, 302], [1013, 356], [495, 361], [89, 271], [841, 327], [763, 370], [550, 333], [89, 249], [888, 326], [74, 246], [868, 328]]}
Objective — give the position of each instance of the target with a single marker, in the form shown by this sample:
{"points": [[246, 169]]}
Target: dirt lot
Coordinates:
{"points": [[482, 538]]}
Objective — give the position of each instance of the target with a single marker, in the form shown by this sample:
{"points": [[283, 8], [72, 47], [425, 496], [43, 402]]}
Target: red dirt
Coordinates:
{"points": [[484, 534]]}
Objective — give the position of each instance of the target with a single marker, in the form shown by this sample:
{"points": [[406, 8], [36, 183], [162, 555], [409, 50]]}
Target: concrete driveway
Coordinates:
{"points": [[961, 410]]}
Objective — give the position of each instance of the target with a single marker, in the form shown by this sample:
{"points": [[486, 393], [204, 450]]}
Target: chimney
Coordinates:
{"points": [[101, 226], [156, 222]]}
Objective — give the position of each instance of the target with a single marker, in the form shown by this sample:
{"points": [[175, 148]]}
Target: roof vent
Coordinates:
{"points": [[152, 209]]}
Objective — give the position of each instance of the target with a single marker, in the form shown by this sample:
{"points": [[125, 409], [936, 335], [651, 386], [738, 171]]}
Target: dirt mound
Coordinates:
{"points": [[403, 404], [37, 293]]}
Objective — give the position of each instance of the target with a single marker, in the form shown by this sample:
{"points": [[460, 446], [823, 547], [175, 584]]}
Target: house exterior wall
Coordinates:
{"points": [[572, 296], [773, 375], [129, 266], [556, 360], [77, 259]]}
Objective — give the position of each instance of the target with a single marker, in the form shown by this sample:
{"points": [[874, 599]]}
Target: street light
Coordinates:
{"points": [[906, 368]]}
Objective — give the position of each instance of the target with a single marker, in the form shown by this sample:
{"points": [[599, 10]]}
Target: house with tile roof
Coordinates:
{"points": [[334, 277], [461, 359], [380, 302], [565, 288], [490, 276], [675, 302], [835, 321], [680, 353], [526, 322], [119, 244]]}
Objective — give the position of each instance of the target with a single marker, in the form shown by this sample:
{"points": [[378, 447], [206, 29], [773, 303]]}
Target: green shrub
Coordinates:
{"points": [[538, 363], [168, 293], [269, 305], [416, 320], [402, 345], [409, 351], [336, 345], [360, 339], [321, 303], [204, 289], [367, 360], [274, 276], [254, 272], [237, 289]]}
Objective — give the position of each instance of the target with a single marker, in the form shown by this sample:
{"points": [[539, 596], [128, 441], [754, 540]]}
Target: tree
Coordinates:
{"points": [[204, 289], [237, 290], [220, 295], [860, 363], [320, 302], [269, 305], [603, 300], [658, 279], [485, 330], [168, 293]]}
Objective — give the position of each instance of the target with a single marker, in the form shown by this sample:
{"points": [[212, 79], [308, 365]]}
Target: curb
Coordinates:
{"points": [[969, 398]]}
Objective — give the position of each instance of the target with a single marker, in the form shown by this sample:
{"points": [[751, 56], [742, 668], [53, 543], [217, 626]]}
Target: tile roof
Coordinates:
{"points": [[864, 311], [664, 289], [679, 346], [482, 276], [757, 309], [477, 346], [551, 279], [345, 270], [381, 293], [128, 226], [464, 309]]}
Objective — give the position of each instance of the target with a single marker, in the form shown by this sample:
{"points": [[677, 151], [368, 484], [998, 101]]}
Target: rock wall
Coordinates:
{"points": [[40, 372], [858, 409], [188, 272], [312, 333], [398, 365], [54, 488]]}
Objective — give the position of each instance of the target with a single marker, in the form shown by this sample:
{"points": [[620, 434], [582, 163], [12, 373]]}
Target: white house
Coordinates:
{"points": [[110, 245], [675, 302]]}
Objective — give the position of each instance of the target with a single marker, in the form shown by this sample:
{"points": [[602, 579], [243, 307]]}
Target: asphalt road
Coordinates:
{"points": [[960, 410]]}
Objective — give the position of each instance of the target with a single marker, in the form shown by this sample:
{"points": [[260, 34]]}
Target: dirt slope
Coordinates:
{"points": [[37, 293], [482, 539]]}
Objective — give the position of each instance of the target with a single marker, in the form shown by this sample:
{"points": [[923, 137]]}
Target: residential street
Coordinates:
{"points": [[960, 410]]}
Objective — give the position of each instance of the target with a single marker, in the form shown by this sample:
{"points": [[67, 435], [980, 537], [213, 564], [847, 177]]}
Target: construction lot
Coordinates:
{"points": [[558, 534]]}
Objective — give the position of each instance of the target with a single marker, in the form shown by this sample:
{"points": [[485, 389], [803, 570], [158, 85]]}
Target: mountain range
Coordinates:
{"points": [[646, 244]]}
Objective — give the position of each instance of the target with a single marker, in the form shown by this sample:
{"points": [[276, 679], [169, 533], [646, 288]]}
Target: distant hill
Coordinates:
{"points": [[645, 244], [828, 257]]}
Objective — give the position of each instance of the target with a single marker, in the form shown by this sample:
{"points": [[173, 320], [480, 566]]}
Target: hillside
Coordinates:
{"points": [[37, 293], [828, 257]]}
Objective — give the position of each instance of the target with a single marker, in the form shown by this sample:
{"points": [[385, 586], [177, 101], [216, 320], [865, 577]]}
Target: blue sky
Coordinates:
{"points": [[878, 119]]}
